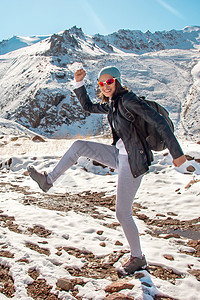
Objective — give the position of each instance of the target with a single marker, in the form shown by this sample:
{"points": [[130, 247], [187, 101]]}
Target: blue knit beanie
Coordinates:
{"points": [[113, 71]]}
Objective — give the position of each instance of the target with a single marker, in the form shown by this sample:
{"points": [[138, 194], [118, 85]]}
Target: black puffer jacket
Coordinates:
{"points": [[139, 154]]}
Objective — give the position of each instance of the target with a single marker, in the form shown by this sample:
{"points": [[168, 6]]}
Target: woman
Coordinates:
{"points": [[129, 153]]}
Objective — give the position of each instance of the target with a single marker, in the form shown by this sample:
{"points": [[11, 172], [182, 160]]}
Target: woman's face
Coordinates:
{"points": [[107, 90]]}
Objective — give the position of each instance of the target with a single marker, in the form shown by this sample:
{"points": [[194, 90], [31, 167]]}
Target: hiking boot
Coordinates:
{"points": [[135, 264], [40, 178]]}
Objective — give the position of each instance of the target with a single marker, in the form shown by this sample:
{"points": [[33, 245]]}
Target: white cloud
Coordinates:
{"points": [[95, 18], [171, 9]]}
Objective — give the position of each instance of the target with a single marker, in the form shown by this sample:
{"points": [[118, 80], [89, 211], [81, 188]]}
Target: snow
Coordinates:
{"points": [[171, 77], [17, 42], [32, 77], [164, 180]]}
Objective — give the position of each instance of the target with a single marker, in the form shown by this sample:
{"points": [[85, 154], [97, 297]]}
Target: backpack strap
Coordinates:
{"points": [[125, 112]]}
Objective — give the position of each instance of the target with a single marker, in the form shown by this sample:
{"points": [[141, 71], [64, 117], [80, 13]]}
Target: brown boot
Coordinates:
{"points": [[135, 264]]}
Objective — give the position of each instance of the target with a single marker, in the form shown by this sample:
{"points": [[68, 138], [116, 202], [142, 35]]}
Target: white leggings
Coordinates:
{"points": [[126, 188]]}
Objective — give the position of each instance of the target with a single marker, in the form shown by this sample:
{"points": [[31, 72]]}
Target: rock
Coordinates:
{"points": [[38, 138], [96, 163], [100, 232], [160, 215], [193, 243], [15, 138], [65, 284], [112, 208], [118, 296], [171, 214], [103, 244], [78, 281], [172, 235], [65, 236], [188, 157], [118, 243], [169, 257], [9, 162], [190, 168], [118, 286], [114, 224], [142, 217]]}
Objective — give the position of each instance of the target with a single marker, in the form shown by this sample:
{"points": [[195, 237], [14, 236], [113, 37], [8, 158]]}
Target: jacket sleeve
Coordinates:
{"points": [[143, 110], [88, 105]]}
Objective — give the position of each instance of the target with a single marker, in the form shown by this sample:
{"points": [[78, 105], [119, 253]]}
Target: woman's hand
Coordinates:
{"points": [[79, 75], [179, 161]]}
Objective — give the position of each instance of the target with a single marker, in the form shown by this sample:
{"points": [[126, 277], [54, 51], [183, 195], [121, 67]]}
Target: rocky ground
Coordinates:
{"points": [[95, 267]]}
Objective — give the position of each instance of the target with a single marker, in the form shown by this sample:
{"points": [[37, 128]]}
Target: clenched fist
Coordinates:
{"points": [[79, 75]]}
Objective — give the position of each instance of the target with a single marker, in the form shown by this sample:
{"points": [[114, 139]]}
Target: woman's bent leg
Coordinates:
{"points": [[126, 190], [105, 154]]}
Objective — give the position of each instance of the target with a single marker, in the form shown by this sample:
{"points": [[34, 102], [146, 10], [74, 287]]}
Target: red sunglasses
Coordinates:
{"points": [[108, 82]]}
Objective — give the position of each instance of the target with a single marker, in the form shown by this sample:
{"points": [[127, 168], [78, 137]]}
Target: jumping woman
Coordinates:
{"points": [[129, 153]]}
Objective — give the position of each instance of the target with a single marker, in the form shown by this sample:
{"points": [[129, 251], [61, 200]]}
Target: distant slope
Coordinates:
{"points": [[8, 127], [135, 41], [17, 42]]}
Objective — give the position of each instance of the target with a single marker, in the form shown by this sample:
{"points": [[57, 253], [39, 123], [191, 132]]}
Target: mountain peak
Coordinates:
{"points": [[133, 41], [36, 84], [17, 42]]}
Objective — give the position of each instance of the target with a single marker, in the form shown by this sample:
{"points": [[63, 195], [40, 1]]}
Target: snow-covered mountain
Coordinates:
{"points": [[44, 250], [36, 82], [17, 42]]}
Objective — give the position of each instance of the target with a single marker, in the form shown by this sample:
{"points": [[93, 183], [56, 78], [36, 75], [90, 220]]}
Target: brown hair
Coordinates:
{"points": [[119, 90]]}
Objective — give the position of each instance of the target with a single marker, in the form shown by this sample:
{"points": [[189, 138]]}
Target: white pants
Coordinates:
{"points": [[126, 188]]}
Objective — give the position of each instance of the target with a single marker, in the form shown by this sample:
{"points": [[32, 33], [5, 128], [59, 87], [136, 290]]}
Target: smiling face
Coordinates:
{"points": [[107, 90]]}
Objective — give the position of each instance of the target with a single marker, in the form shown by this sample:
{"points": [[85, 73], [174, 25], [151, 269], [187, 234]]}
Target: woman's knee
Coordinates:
{"points": [[123, 215], [78, 146], [78, 143]]}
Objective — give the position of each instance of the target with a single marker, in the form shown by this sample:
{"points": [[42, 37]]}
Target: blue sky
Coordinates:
{"points": [[44, 17]]}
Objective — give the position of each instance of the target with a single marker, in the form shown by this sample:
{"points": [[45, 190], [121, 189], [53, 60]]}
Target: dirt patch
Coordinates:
{"points": [[164, 274], [7, 284], [8, 221], [88, 202], [38, 249], [163, 298], [172, 225], [95, 267], [33, 273], [5, 253], [195, 273], [163, 226], [40, 290], [85, 202], [40, 231]]}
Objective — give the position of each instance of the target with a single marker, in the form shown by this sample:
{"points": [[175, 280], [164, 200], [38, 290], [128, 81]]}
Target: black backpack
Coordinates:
{"points": [[149, 132]]}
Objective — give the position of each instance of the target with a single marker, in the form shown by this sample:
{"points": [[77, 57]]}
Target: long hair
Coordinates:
{"points": [[119, 90]]}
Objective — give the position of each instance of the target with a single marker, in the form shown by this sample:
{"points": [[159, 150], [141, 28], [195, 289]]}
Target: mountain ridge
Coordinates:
{"points": [[152, 40], [18, 42], [36, 82]]}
